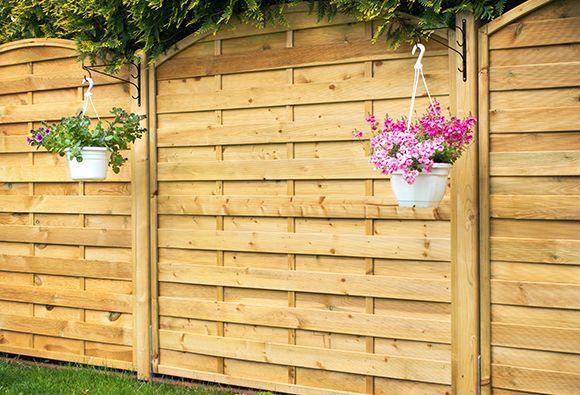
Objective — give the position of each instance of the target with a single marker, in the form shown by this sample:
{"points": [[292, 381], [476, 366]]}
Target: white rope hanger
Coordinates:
{"points": [[418, 72], [89, 97]]}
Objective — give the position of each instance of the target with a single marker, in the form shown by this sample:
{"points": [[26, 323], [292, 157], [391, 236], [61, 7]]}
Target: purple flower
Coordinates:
{"points": [[29, 141], [47, 130], [38, 137]]}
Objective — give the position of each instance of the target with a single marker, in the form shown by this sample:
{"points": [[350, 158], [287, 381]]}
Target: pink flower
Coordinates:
{"points": [[39, 137], [357, 133], [416, 148]]}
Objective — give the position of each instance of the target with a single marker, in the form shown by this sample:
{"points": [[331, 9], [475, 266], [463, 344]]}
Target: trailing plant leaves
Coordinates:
{"points": [[114, 30], [75, 133]]}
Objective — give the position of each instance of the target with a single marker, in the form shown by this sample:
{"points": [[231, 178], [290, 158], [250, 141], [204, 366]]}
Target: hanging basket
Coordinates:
{"points": [[93, 167], [427, 190]]}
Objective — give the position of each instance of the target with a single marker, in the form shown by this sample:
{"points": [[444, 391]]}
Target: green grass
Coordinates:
{"points": [[23, 379]]}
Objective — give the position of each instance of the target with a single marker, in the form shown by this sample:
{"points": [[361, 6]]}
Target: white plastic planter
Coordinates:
{"points": [[93, 167], [426, 191]]}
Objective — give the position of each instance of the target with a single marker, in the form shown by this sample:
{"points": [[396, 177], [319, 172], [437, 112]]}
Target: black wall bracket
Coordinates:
{"points": [[462, 45], [136, 77]]}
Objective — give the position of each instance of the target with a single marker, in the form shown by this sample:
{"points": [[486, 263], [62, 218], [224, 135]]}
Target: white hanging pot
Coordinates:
{"points": [[427, 190], [93, 166]]}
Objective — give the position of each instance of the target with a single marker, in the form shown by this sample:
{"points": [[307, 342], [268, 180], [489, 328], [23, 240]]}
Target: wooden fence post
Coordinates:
{"points": [[464, 229], [141, 237]]}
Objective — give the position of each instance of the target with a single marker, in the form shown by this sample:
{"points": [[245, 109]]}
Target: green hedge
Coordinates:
{"points": [[116, 29]]}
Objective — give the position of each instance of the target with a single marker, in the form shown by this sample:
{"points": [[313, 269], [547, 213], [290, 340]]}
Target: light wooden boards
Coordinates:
{"points": [[273, 233], [65, 247], [533, 210]]}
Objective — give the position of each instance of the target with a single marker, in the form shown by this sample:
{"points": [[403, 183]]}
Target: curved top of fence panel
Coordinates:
{"points": [[298, 17], [38, 42], [35, 49], [515, 13]]}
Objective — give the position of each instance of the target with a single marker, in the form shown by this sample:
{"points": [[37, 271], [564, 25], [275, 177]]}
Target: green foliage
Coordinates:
{"points": [[115, 29], [18, 379], [71, 134]]}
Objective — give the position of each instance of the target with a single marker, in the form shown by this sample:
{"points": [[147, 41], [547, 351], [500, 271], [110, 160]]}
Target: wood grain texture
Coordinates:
{"points": [[318, 244], [298, 206], [533, 201], [341, 284], [465, 225], [264, 208], [377, 365], [67, 288]]}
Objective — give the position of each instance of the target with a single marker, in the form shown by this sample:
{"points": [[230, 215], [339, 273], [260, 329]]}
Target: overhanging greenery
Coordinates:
{"points": [[116, 29]]}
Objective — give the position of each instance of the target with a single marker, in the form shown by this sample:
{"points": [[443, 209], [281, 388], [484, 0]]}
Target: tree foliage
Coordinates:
{"points": [[115, 29]]}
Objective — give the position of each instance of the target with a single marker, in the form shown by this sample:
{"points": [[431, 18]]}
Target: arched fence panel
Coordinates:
{"points": [[65, 247], [530, 194], [283, 261]]}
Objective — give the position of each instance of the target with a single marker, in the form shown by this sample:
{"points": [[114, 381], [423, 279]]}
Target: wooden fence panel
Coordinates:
{"points": [[531, 221], [282, 259], [65, 247]]}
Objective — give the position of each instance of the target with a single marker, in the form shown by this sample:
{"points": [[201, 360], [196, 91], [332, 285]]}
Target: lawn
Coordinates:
{"points": [[22, 379]]}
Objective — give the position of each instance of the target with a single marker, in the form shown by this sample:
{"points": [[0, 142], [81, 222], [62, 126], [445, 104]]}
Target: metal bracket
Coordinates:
{"points": [[137, 77], [462, 45]]}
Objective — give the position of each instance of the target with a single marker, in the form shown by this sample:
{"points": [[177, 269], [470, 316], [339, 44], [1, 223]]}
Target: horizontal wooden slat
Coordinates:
{"points": [[535, 316], [344, 91], [13, 144], [114, 205], [525, 120], [57, 80], [307, 243], [536, 33], [535, 207], [315, 282], [297, 16], [67, 267], [62, 235], [26, 173], [536, 359], [532, 186], [53, 296], [67, 329], [534, 98], [54, 111], [294, 206], [35, 54], [312, 55], [398, 327], [535, 55], [535, 380], [535, 272], [535, 250], [521, 142], [555, 75], [66, 357], [541, 163], [535, 229], [256, 133], [310, 357], [295, 169], [247, 383], [525, 293], [536, 337]]}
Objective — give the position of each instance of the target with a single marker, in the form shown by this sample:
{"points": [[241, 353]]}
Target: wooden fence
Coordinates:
{"points": [[264, 252], [283, 259], [530, 122], [65, 247]]}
